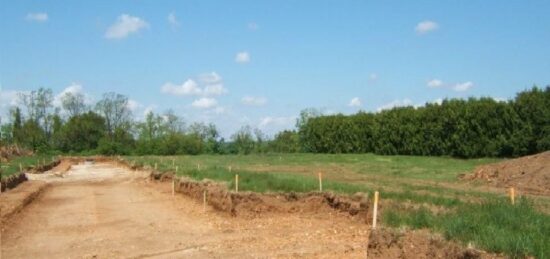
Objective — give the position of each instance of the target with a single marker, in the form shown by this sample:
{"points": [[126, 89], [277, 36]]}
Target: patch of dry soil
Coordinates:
{"points": [[529, 174], [97, 210]]}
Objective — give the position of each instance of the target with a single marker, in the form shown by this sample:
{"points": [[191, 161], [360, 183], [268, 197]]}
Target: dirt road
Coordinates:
{"points": [[100, 211]]}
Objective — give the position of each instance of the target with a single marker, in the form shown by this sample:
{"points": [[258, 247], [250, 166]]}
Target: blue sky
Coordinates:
{"points": [[261, 62]]}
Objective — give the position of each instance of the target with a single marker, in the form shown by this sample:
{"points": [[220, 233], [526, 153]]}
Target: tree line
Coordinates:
{"points": [[475, 127], [108, 127]]}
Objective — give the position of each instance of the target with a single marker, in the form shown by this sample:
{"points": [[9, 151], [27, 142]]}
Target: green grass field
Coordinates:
{"points": [[462, 211], [12, 166]]}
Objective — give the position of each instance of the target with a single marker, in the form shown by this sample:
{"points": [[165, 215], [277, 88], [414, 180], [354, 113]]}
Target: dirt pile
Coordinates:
{"points": [[529, 174], [386, 243], [8, 152]]}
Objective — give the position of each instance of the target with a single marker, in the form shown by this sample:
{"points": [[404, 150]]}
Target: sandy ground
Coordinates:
{"points": [[99, 211]]}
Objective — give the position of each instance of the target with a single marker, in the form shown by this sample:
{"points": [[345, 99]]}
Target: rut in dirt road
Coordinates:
{"points": [[107, 212]]}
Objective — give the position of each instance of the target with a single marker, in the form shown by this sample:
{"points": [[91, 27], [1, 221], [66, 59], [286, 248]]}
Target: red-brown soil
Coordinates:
{"points": [[529, 174]]}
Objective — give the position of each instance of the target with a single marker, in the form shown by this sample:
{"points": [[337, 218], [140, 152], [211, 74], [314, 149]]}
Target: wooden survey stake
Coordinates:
{"points": [[173, 186], [320, 182], [204, 201], [375, 210], [236, 183], [512, 195]]}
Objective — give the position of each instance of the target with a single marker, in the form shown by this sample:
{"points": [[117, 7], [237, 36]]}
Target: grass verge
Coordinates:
{"points": [[12, 167], [495, 226]]}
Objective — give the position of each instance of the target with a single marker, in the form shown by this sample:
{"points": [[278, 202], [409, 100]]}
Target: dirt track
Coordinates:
{"points": [[99, 211]]}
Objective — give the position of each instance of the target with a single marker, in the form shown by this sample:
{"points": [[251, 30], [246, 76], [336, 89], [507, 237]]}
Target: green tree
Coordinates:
{"points": [[243, 140], [82, 133]]}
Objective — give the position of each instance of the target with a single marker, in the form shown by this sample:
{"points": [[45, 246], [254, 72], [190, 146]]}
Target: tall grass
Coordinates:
{"points": [[495, 225]]}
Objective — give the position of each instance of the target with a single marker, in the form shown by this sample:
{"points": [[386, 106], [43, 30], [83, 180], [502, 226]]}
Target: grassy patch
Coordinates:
{"points": [[12, 167], [289, 182], [495, 225]]}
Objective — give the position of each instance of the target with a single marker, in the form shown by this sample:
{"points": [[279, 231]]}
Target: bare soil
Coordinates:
{"points": [[15, 200], [8, 152], [103, 211], [529, 174]]}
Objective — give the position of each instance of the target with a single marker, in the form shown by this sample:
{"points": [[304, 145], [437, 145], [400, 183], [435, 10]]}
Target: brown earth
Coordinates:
{"points": [[8, 152], [529, 174], [390, 243], [15, 200], [103, 211]]}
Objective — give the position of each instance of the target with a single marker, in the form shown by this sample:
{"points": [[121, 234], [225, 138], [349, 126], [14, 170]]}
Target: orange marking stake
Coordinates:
{"points": [[375, 210], [320, 182]]}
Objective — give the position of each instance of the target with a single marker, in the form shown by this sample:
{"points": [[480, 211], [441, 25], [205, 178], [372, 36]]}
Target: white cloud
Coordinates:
{"points": [[253, 26], [37, 17], [373, 77], [205, 103], [210, 78], [218, 89], [461, 87], [395, 103], [253, 101], [220, 110], [173, 20], [355, 102], [426, 27], [133, 105], [435, 83], [242, 57], [73, 88], [189, 87], [9, 98], [277, 122], [438, 101], [458, 87], [148, 109], [124, 26], [207, 84]]}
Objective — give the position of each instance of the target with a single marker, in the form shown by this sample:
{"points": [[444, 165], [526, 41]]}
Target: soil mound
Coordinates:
{"points": [[387, 243], [7, 152], [529, 174]]}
